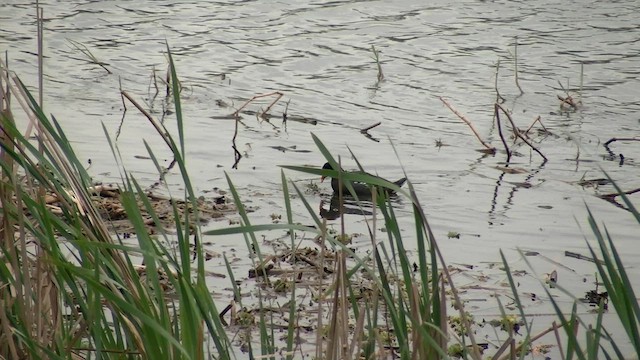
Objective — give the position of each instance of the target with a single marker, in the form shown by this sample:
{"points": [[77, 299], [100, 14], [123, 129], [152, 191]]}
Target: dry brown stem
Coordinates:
{"points": [[463, 118], [517, 132], [144, 112], [516, 65], [620, 139], [553, 327], [364, 130], [536, 120], [278, 96], [504, 142], [495, 85]]}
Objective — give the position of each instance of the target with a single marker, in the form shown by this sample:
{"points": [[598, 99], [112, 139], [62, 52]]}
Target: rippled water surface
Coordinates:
{"points": [[319, 56]]}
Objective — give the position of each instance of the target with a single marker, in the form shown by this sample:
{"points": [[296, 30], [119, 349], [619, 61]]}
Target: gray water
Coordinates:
{"points": [[319, 56]]}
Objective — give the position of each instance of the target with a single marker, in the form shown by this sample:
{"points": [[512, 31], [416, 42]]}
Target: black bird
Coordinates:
{"points": [[360, 188]]}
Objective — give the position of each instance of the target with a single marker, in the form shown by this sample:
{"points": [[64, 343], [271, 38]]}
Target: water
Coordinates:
{"points": [[319, 56]]}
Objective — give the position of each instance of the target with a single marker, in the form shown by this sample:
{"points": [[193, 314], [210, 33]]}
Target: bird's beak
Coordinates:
{"points": [[322, 178]]}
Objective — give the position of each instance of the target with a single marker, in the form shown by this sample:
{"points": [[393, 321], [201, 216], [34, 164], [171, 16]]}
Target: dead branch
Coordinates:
{"points": [[236, 153], [495, 85], [517, 132], [279, 95], [516, 65], [569, 101], [365, 131], [606, 144], [370, 127], [463, 118], [504, 142], [537, 120], [153, 122]]}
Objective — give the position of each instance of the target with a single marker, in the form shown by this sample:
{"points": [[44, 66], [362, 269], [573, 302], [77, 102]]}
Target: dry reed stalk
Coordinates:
{"points": [[516, 65], [418, 351], [338, 345], [506, 344], [376, 57], [144, 112], [554, 327], [504, 142], [358, 333], [237, 154], [319, 338], [499, 97], [364, 130], [557, 335], [457, 302], [536, 120], [517, 132], [466, 121], [278, 96]]}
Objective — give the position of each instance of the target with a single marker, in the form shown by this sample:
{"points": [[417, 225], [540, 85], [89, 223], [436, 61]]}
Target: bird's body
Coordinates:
{"points": [[360, 188]]}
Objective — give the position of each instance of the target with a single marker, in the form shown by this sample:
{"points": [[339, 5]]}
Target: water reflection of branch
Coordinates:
{"points": [[520, 185]]}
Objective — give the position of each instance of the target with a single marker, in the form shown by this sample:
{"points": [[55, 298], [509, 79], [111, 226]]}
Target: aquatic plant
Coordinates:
{"points": [[71, 288]]}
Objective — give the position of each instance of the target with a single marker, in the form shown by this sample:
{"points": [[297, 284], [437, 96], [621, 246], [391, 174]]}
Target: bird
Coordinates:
{"points": [[360, 188]]}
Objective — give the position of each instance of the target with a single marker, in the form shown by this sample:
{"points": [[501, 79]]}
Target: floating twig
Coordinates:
{"points": [[490, 148]]}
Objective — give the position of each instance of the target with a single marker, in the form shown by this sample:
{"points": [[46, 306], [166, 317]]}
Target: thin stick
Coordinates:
{"points": [[581, 80], [620, 139], [516, 65], [370, 127], [504, 142], [279, 95], [5, 95], [376, 57], [495, 85], [536, 120], [554, 327], [237, 154], [86, 52], [518, 134], [149, 117], [463, 118], [40, 30]]}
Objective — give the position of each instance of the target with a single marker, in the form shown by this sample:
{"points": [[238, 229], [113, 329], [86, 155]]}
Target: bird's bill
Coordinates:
{"points": [[322, 178]]}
